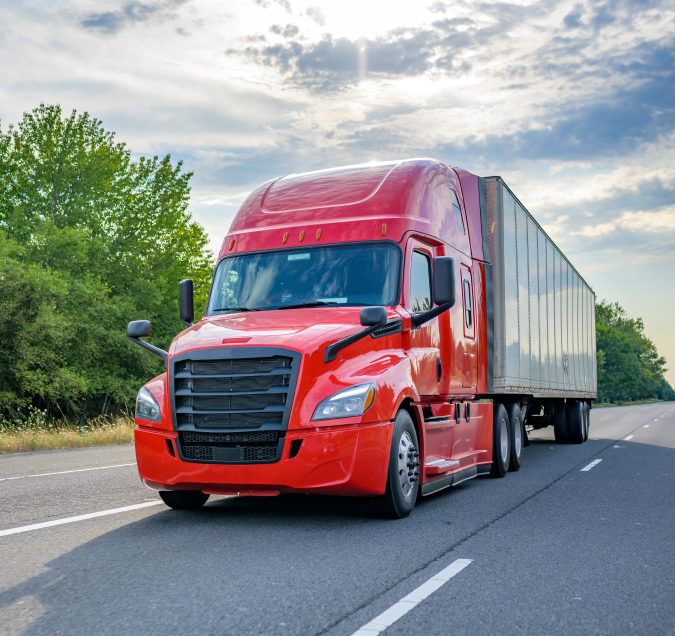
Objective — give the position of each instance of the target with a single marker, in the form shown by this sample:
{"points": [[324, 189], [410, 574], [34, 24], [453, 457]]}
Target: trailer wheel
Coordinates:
{"points": [[560, 423], [501, 442], [517, 436], [183, 499], [576, 423], [403, 473], [587, 419]]}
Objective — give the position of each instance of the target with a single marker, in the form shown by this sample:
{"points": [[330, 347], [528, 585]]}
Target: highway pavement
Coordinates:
{"points": [[581, 540]]}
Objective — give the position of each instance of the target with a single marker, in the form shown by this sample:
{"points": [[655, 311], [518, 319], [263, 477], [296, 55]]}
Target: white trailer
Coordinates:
{"points": [[544, 311]]}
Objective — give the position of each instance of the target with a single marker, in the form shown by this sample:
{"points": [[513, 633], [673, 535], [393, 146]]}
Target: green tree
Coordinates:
{"points": [[629, 365], [89, 239]]}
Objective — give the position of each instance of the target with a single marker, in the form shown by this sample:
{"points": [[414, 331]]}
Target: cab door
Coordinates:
{"points": [[425, 346], [425, 341]]}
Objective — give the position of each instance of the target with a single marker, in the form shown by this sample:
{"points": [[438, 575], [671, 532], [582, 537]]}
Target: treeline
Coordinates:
{"points": [[91, 239], [629, 366]]}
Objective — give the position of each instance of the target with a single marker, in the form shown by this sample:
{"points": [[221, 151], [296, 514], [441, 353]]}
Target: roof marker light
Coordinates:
{"points": [[318, 234], [384, 229], [285, 237], [302, 236], [231, 244]]}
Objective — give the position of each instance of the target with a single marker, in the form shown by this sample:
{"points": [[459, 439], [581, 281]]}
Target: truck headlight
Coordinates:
{"points": [[147, 407], [350, 402]]}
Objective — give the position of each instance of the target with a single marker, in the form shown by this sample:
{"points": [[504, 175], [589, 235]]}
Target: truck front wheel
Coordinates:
{"points": [[501, 442], [403, 474], [183, 499]]}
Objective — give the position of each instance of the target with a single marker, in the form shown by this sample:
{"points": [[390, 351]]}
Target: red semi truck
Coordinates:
{"points": [[383, 330]]}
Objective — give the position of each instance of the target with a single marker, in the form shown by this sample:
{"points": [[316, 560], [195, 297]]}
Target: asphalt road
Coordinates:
{"points": [[554, 549]]}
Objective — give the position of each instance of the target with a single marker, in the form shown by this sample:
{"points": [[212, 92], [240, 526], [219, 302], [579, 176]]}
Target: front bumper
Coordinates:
{"points": [[345, 460]]}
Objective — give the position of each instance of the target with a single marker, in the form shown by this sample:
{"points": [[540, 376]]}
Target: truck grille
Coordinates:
{"points": [[254, 392], [262, 446]]}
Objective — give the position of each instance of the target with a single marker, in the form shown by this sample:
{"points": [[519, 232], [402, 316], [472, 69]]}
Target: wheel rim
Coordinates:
{"points": [[517, 438], [504, 440], [408, 464]]}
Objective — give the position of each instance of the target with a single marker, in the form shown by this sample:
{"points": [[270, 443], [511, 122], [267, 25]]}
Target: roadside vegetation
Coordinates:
{"points": [[38, 431], [91, 239], [629, 366]]}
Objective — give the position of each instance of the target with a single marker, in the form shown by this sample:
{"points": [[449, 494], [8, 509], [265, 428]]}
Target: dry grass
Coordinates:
{"points": [[39, 433]]}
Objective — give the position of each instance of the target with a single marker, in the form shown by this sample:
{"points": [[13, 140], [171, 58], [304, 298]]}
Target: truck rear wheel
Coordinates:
{"points": [[560, 423], [587, 419], [183, 499], [403, 473], [501, 442], [516, 434], [576, 423]]}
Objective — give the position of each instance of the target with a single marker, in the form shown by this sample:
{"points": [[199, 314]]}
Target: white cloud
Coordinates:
{"points": [[572, 106]]}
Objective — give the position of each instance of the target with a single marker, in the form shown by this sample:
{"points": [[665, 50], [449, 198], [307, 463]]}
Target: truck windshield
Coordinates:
{"points": [[340, 275]]}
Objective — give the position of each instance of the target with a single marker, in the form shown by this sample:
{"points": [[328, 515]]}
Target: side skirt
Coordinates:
{"points": [[454, 479]]}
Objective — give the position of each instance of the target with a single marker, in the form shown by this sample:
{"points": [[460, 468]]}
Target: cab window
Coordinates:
{"points": [[468, 305], [457, 211], [420, 282]]}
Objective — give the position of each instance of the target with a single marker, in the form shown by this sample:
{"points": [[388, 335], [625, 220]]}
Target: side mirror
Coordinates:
{"points": [[141, 329], [138, 329], [186, 301], [444, 280], [373, 316], [444, 290]]}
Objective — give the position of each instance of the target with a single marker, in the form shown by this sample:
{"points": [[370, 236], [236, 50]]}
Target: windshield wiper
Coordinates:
{"points": [[235, 309], [316, 303]]}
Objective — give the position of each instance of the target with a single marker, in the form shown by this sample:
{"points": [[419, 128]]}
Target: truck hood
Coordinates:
{"points": [[298, 329]]}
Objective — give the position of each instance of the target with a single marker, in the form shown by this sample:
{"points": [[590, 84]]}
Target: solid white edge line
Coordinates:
{"points": [[625, 439], [593, 463], [63, 472], [91, 515], [412, 600]]}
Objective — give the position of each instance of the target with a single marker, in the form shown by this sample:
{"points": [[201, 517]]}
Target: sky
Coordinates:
{"points": [[572, 103]]}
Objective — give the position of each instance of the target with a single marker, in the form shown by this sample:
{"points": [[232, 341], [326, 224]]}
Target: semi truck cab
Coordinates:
{"points": [[347, 348]]}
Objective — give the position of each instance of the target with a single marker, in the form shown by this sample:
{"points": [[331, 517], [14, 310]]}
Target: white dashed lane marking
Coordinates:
{"points": [[595, 462], [625, 439], [91, 515], [64, 472], [407, 603]]}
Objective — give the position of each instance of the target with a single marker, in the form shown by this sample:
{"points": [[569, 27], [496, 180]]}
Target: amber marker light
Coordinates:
{"points": [[370, 398], [302, 236], [318, 234], [285, 237], [384, 229], [231, 244]]}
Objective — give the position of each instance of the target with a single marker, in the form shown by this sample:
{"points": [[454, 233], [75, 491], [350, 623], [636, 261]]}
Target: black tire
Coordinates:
{"points": [[560, 423], [587, 420], [183, 499], [403, 473], [576, 423], [517, 435], [501, 442]]}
